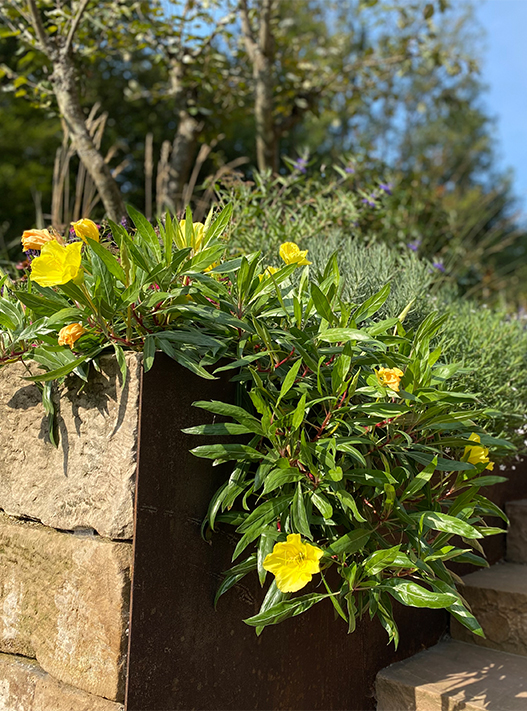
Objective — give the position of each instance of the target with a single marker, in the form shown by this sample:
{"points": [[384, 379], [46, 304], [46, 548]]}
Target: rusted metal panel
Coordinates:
{"points": [[185, 655]]}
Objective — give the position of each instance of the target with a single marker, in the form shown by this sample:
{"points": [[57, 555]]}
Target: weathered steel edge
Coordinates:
{"points": [[225, 666]]}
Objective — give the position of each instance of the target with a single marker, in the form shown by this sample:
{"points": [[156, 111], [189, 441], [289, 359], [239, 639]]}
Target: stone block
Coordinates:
{"points": [[517, 533], [88, 481], [498, 598], [24, 686], [452, 676], [64, 600]]}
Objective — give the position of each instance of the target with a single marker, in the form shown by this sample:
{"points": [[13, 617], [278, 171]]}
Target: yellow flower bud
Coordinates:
{"points": [[267, 273], [69, 334], [477, 455], [198, 232], [35, 239], [86, 228], [292, 254], [57, 264]]}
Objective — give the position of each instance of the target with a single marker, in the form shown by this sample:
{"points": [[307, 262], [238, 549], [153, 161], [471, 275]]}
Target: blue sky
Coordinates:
{"points": [[504, 69]]}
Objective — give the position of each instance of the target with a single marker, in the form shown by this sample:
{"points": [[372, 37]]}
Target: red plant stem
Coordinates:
{"points": [[284, 360]]}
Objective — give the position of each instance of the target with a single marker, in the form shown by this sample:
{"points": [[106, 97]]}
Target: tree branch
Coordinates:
{"points": [[38, 26], [247, 31], [74, 26], [208, 41]]}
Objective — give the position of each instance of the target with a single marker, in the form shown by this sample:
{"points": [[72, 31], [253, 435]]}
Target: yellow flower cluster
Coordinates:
{"points": [[477, 454], [293, 563], [58, 263], [389, 377]]}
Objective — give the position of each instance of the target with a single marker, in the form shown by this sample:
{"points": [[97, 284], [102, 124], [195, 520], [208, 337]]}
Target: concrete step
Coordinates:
{"points": [[517, 534], [498, 598], [452, 676]]}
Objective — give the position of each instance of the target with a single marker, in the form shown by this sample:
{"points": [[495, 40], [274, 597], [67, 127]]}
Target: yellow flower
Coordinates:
{"points": [[57, 264], [35, 239], [86, 228], [69, 334], [198, 232], [389, 377], [293, 563], [267, 273], [477, 455], [292, 254]]}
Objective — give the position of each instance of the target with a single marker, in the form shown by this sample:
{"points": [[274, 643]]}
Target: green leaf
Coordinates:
{"points": [[265, 547], [226, 452], [149, 352], [121, 360], [338, 335], [226, 410], [443, 465], [371, 305], [299, 514], [379, 560], [347, 500], [350, 543], [322, 304], [289, 380], [279, 477], [146, 231], [322, 504], [448, 524], [414, 595], [272, 597], [109, 260], [417, 483], [58, 372], [234, 575], [298, 414], [283, 610], [218, 428]]}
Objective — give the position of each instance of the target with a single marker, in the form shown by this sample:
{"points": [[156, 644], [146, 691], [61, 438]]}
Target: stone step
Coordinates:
{"points": [[452, 676], [517, 534], [498, 598], [24, 686]]}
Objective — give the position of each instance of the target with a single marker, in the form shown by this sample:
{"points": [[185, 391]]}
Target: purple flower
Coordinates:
{"points": [[438, 265], [300, 165], [370, 201], [348, 169], [414, 246], [386, 187]]}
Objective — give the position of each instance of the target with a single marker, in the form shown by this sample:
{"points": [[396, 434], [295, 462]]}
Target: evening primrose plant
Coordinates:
{"points": [[355, 466]]}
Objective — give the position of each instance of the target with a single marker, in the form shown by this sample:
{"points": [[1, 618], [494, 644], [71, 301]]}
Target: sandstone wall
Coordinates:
{"points": [[88, 481], [66, 524]]}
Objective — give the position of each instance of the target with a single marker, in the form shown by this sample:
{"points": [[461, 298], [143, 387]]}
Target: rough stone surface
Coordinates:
{"points": [[64, 599], [517, 534], [454, 676], [498, 598], [24, 686], [88, 481]]}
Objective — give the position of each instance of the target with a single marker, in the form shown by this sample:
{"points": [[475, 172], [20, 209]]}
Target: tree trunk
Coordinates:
{"points": [[184, 149], [266, 142], [259, 46], [65, 88]]}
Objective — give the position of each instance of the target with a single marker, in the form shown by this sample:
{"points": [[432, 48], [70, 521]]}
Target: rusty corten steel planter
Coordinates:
{"points": [[185, 655]]}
